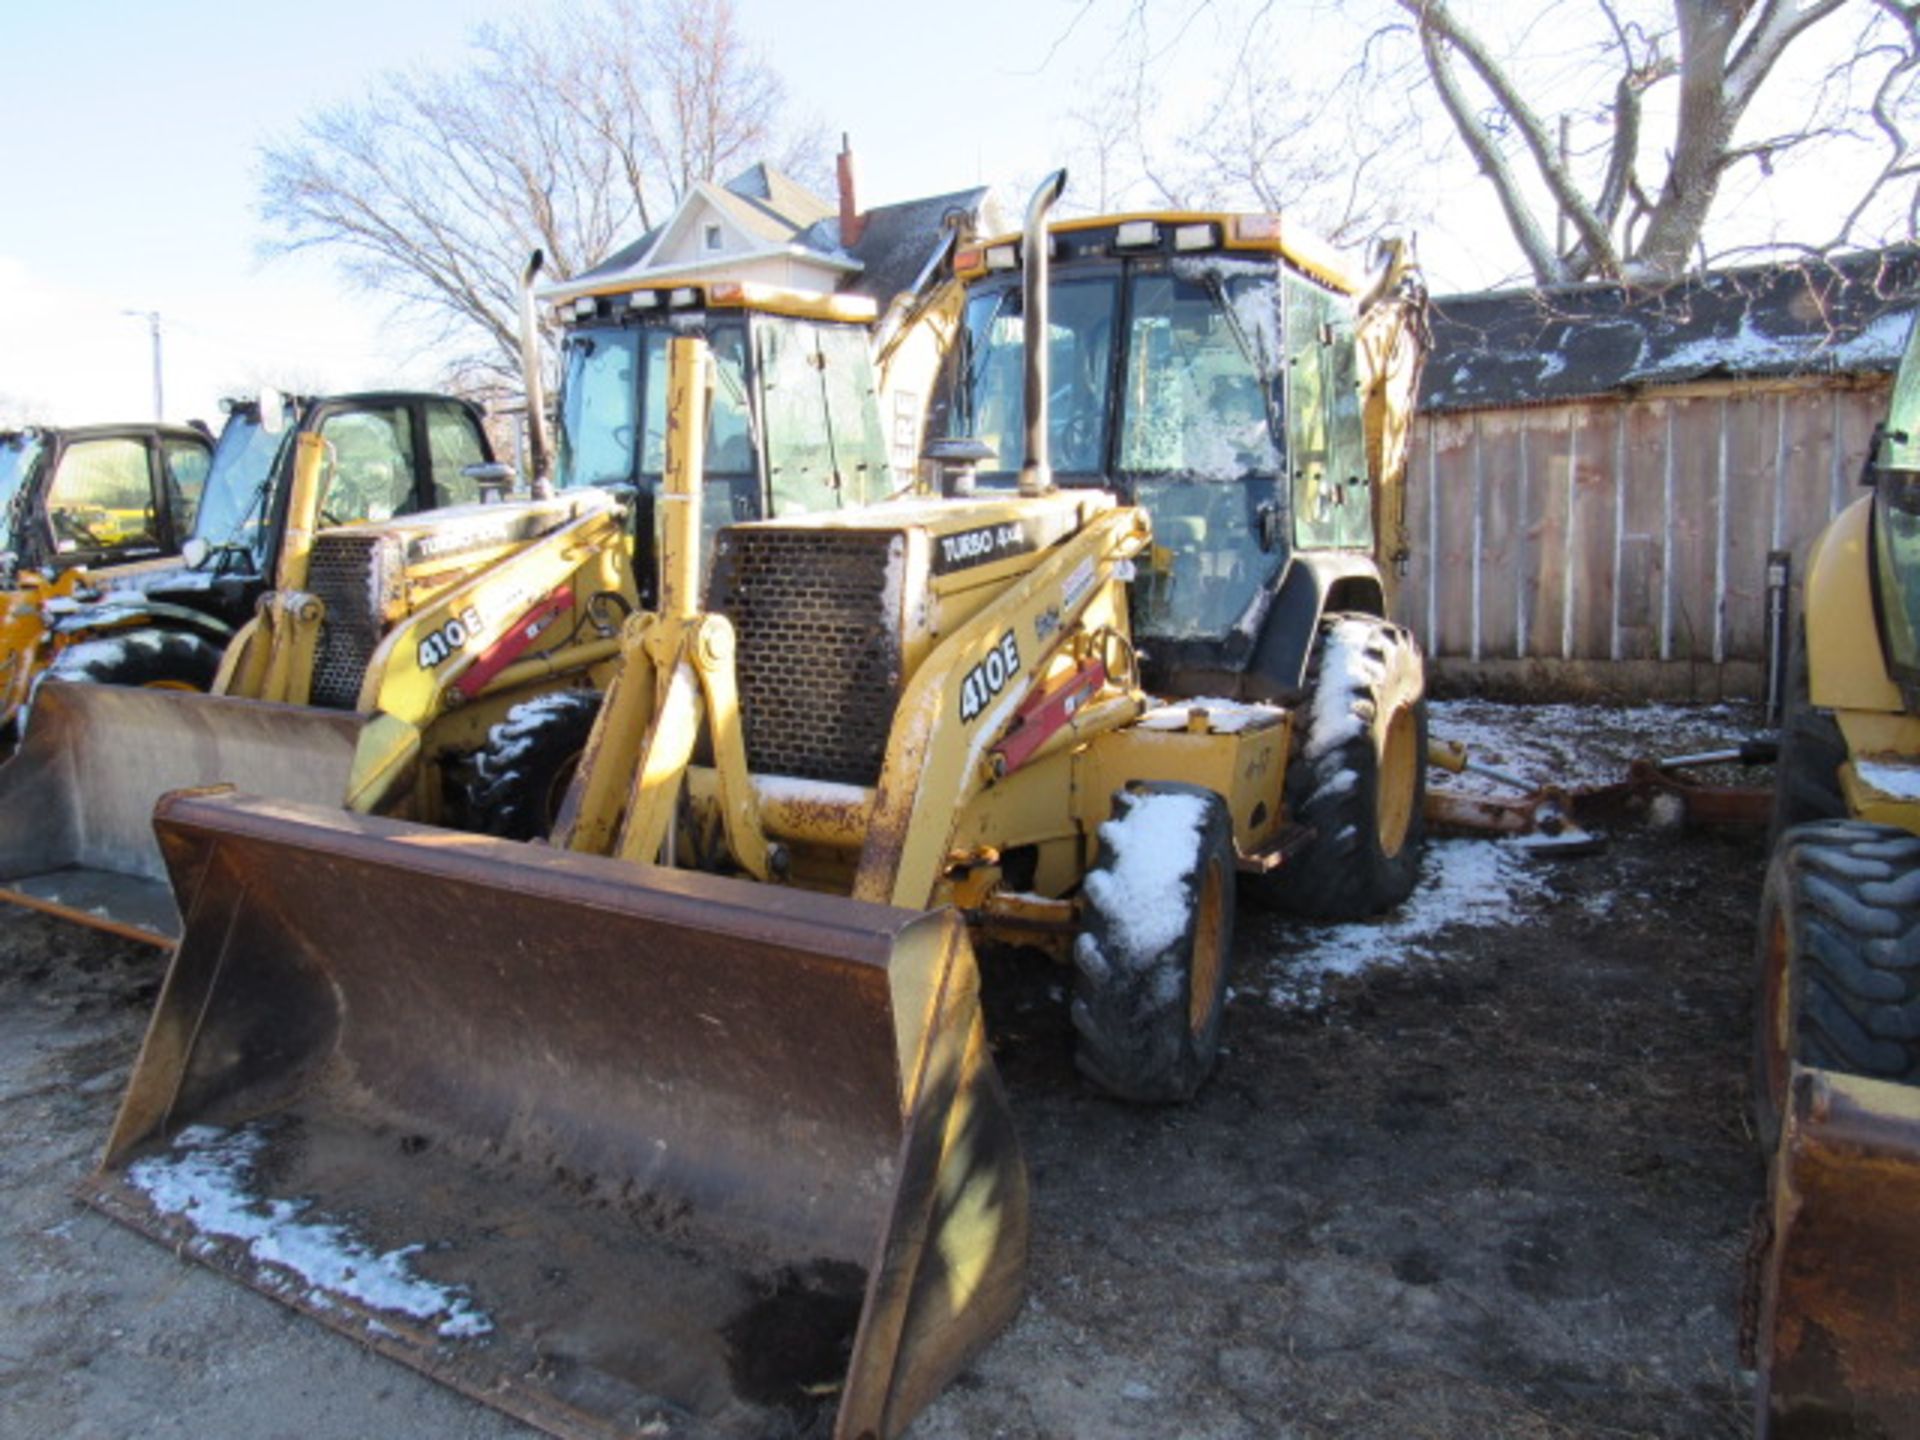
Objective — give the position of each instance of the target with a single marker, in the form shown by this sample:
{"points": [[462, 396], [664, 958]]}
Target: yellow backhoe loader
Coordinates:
{"points": [[383, 653], [684, 1123], [1836, 1292]]}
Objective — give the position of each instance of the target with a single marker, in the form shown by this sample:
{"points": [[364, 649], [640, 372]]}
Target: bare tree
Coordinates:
{"points": [[573, 135], [1671, 89], [1249, 136]]}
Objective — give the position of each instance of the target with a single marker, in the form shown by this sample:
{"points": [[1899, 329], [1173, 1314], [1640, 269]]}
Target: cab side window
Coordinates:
{"points": [[373, 476], [453, 444], [101, 499], [184, 466]]}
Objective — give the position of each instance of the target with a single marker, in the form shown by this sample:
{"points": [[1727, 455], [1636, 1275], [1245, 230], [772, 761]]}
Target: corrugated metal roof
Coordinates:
{"points": [[1530, 347]]}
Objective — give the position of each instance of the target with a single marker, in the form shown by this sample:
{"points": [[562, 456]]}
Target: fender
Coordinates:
{"points": [[1846, 669], [125, 614], [1314, 583]]}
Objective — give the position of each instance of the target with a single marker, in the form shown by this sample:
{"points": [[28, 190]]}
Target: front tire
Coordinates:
{"points": [[1150, 962], [1838, 961], [1359, 779]]}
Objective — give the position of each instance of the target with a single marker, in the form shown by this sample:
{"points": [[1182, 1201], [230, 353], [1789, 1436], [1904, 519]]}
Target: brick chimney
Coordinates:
{"points": [[852, 222]]}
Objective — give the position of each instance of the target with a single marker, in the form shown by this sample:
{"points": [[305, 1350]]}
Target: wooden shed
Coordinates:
{"points": [[1598, 473]]}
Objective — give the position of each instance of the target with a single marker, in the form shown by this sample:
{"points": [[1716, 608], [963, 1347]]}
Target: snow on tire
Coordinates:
{"points": [[161, 659], [1359, 778], [518, 779], [1150, 962], [1839, 960]]}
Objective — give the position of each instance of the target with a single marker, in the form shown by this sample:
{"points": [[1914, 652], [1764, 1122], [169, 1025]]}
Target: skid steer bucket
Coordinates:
{"points": [[1839, 1349], [76, 799], [622, 1150]]}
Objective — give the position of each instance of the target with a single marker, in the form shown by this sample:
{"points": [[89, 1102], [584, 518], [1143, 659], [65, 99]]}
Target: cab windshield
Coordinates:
{"points": [[1192, 434], [613, 407], [18, 455], [235, 504]]}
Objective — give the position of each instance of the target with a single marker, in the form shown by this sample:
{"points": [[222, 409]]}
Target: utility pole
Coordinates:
{"points": [[152, 317]]}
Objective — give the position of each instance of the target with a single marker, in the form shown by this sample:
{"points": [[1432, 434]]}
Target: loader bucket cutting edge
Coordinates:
{"points": [[681, 1155], [77, 797]]}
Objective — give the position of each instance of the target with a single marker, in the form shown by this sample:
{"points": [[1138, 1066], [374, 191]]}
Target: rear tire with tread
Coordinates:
{"points": [[518, 779], [1806, 776], [1838, 960], [146, 657], [1359, 778], [1150, 962]]}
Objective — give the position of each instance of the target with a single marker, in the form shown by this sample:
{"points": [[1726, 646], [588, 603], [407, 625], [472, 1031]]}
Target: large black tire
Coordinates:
{"points": [[1838, 960], [1150, 962], [519, 778], [1359, 778], [147, 656], [1806, 776]]}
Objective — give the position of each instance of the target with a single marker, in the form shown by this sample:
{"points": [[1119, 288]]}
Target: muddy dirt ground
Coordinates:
{"points": [[1483, 1171]]}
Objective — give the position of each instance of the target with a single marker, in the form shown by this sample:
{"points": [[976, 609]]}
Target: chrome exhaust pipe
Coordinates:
{"points": [[539, 454], [1036, 474]]}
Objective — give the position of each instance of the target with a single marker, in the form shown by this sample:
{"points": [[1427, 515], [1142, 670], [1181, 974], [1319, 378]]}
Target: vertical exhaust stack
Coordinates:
{"points": [[541, 455], [1036, 474]]}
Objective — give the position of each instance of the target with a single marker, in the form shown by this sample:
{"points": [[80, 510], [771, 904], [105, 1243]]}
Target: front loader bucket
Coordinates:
{"points": [[76, 799], [1839, 1333], [622, 1150]]}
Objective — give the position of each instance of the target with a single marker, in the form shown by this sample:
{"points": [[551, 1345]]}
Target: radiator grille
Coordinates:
{"points": [[817, 614], [347, 573]]}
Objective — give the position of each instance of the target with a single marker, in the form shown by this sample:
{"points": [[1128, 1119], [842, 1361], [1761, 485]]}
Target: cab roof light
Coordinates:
{"points": [[1132, 234], [643, 300], [971, 258], [1195, 237], [585, 306], [1256, 227], [684, 295], [726, 292], [1003, 257]]}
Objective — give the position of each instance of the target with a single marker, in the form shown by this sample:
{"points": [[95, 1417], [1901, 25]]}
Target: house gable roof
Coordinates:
{"points": [[1849, 315]]}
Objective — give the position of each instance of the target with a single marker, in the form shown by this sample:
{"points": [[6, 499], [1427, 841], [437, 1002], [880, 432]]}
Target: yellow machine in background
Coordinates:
{"points": [[718, 1043], [383, 654], [1837, 1042]]}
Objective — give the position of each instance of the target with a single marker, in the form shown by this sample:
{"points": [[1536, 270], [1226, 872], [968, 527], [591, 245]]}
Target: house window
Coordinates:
{"points": [[713, 237]]}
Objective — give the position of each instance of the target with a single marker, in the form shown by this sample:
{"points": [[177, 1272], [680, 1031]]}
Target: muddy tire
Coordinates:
{"points": [[1806, 777], [1838, 960], [151, 658], [516, 782], [1150, 962], [1359, 778]]}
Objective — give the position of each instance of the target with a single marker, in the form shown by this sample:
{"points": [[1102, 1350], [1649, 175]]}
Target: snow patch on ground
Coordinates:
{"points": [[204, 1180], [1463, 884], [1574, 745], [1145, 893]]}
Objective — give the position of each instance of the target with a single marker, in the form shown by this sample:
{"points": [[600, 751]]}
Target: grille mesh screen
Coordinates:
{"points": [[345, 573], [817, 615]]}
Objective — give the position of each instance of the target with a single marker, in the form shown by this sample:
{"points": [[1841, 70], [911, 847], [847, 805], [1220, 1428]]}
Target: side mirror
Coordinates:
{"points": [[195, 552]]}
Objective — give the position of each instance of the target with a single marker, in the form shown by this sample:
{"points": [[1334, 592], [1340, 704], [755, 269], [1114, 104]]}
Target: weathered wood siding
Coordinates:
{"points": [[1618, 547]]}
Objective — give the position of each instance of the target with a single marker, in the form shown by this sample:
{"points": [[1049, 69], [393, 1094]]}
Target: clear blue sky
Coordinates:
{"points": [[129, 135]]}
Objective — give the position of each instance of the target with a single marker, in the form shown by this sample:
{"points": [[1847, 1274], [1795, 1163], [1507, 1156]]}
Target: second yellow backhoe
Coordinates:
{"points": [[684, 1122]]}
